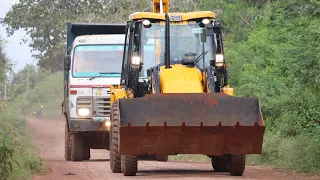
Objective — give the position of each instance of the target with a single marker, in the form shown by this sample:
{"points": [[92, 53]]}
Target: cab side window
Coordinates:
{"points": [[125, 56]]}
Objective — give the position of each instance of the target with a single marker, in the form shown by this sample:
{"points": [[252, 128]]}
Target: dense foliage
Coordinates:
{"points": [[45, 21], [272, 48], [17, 160], [17, 157], [279, 62]]}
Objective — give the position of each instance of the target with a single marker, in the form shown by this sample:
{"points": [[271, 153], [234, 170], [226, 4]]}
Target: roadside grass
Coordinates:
{"points": [[299, 154], [18, 159]]}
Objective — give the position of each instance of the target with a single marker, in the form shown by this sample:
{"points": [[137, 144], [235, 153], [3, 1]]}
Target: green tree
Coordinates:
{"points": [[3, 66], [45, 21]]}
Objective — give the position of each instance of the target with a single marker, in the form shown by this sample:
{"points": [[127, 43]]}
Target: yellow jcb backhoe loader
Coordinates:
{"points": [[174, 97]]}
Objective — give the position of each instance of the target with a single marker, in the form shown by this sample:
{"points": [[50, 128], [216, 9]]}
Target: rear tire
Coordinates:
{"points": [[86, 154], [220, 163], [77, 147], [162, 158], [67, 143], [115, 158], [237, 165], [129, 165]]}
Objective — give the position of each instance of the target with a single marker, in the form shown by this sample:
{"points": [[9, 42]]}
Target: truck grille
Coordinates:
{"points": [[101, 107]]}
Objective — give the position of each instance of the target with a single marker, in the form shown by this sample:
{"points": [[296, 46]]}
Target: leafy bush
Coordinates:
{"points": [[17, 160], [279, 63]]}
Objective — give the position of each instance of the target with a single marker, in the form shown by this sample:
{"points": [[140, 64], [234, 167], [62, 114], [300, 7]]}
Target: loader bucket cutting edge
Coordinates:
{"points": [[195, 123]]}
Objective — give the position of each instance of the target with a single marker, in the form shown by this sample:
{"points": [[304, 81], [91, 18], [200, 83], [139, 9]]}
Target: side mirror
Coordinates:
{"points": [[209, 29], [67, 62]]}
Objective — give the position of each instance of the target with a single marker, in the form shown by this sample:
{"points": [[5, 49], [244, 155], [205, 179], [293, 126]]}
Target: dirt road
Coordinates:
{"points": [[49, 138]]}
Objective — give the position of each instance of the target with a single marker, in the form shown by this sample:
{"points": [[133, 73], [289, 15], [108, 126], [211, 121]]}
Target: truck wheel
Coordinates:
{"points": [[162, 158], [115, 159], [220, 163], [129, 165], [77, 147], [86, 153], [237, 165], [67, 143]]}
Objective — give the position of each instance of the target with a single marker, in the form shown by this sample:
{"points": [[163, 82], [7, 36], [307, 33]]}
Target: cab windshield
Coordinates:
{"points": [[97, 60], [184, 38]]}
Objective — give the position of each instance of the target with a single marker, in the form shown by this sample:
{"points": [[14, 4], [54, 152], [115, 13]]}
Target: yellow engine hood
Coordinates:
{"points": [[180, 79]]}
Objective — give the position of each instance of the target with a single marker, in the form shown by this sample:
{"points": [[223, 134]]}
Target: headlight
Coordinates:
{"points": [[146, 22], [108, 123], [205, 21], [83, 111], [135, 60], [219, 60]]}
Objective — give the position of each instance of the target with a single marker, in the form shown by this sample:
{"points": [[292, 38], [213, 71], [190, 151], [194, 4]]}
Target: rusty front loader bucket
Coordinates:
{"points": [[196, 123]]}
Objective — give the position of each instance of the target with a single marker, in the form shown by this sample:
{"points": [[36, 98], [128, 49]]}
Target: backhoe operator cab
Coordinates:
{"points": [[194, 39], [92, 64]]}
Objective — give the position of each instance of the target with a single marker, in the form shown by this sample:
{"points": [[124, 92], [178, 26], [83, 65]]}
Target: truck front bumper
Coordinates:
{"points": [[88, 125]]}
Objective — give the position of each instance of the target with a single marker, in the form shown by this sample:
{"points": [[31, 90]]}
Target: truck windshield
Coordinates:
{"points": [[185, 37], [97, 60]]}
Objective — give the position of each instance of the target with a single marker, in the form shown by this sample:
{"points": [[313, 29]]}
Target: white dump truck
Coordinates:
{"points": [[92, 64]]}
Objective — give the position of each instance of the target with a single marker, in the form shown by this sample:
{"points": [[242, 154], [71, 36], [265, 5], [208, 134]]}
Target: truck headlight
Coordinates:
{"points": [[83, 111], [108, 123], [219, 60]]}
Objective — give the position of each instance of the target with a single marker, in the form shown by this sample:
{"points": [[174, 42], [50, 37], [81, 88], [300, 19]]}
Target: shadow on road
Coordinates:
{"points": [[97, 160], [181, 172]]}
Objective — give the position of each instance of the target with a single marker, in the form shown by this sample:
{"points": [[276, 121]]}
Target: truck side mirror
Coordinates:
{"points": [[67, 62]]}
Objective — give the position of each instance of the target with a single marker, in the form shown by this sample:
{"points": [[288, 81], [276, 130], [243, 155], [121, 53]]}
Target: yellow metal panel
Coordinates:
{"points": [[185, 16], [180, 79], [117, 93], [228, 91], [156, 6], [163, 23]]}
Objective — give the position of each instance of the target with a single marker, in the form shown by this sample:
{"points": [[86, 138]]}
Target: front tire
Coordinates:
{"points": [[86, 154], [115, 158], [67, 143], [129, 165], [77, 147], [237, 165]]}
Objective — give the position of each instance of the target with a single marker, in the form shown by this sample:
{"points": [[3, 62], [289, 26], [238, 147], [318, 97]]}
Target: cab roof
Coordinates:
{"points": [[185, 16]]}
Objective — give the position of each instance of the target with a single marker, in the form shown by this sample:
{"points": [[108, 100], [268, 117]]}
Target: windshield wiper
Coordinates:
{"points": [[93, 77], [202, 54], [101, 73]]}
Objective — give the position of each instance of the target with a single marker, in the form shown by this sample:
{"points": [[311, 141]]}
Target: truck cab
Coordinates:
{"points": [[92, 64]]}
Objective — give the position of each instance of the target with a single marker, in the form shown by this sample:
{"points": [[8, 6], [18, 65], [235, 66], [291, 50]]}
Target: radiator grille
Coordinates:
{"points": [[101, 105]]}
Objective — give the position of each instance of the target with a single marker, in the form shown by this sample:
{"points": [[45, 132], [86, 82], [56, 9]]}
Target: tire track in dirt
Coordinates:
{"points": [[48, 136]]}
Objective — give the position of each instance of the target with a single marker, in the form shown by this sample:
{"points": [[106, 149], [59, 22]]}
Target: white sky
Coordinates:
{"points": [[19, 53]]}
